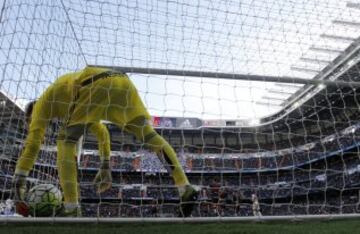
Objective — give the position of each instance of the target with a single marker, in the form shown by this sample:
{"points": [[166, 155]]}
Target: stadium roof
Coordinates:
{"points": [[266, 38], [9, 110], [301, 39]]}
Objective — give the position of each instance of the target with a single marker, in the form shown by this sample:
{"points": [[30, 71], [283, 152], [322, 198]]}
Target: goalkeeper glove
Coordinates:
{"points": [[19, 190], [103, 179]]}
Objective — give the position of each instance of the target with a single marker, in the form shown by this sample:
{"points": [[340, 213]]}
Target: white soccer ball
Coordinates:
{"points": [[44, 200]]}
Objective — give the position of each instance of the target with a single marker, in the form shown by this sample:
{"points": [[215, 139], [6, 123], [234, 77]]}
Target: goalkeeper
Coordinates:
{"points": [[82, 99]]}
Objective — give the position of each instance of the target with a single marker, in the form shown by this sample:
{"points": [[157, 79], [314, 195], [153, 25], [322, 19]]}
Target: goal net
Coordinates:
{"points": [[258, 98]]}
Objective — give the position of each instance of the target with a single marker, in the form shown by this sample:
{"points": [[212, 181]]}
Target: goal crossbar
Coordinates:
{"points": [[230, 76]]}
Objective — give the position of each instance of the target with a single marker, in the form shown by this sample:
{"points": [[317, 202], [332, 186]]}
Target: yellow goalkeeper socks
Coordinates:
{"points": [[160, 146], [168, 156], [66, 164]]}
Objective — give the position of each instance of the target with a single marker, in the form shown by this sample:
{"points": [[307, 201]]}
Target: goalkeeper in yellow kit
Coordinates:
{"points": [[82, 99]]}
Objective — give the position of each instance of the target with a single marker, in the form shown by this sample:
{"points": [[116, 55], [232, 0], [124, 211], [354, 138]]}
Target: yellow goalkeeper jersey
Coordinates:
{"points": [[113, 98], [76, 99]]}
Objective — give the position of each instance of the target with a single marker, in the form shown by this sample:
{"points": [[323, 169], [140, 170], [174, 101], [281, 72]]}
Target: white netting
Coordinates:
{"points": [[289, 147]]}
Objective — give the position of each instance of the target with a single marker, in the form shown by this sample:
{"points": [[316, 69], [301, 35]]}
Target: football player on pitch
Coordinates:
{"points": [[82, 99]]}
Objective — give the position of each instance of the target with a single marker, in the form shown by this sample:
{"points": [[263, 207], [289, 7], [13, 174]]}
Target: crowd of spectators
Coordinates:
{"points": [[143, 160], [290, 180], [153, 208], [338, 175]]}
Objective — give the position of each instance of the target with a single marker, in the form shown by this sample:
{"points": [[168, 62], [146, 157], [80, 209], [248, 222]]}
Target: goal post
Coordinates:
{"points": [[259, 100]]}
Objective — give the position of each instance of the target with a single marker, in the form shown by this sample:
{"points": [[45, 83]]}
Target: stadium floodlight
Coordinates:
{"points": [[261, 109], [321, 86], [296, 104]]}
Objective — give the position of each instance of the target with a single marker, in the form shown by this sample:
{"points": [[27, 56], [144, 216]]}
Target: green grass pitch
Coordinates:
{"points": [[313, 227]]}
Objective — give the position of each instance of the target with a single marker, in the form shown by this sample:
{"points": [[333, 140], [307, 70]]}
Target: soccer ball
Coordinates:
{"points": [[44, 200]]}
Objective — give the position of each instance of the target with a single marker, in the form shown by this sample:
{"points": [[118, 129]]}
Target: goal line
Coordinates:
{"points": [[54, 220]]}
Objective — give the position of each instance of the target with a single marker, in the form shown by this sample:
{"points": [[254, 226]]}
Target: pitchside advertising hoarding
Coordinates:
{"points": [[193, 123], [176, 122]]}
